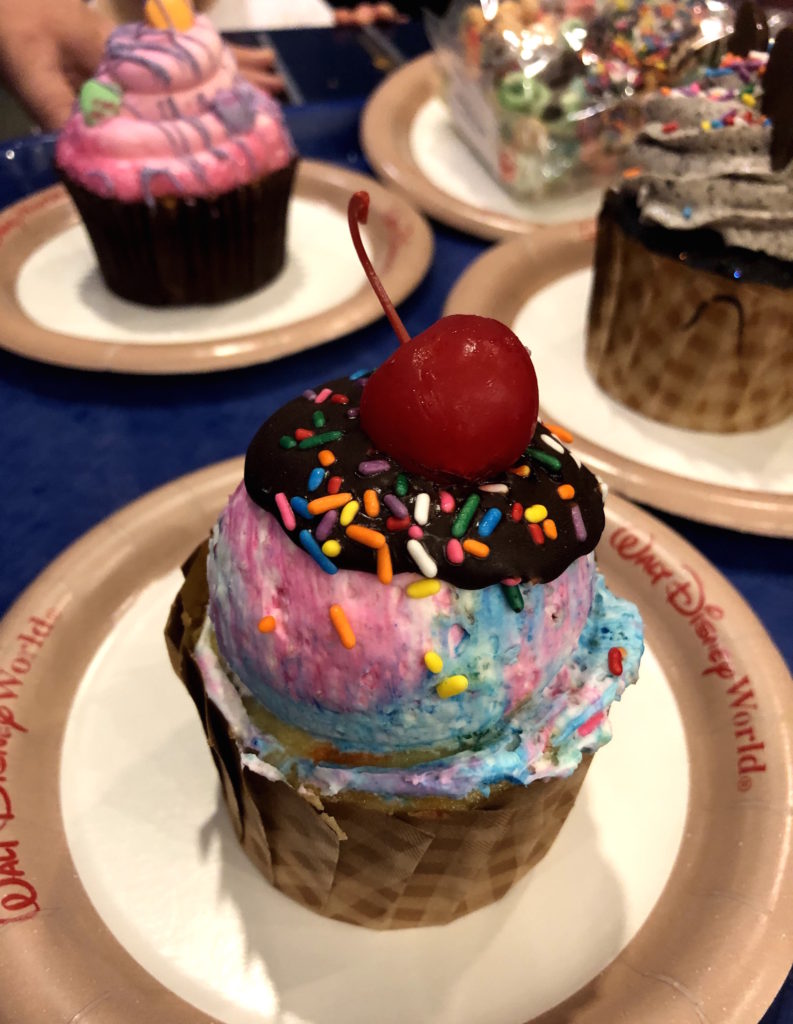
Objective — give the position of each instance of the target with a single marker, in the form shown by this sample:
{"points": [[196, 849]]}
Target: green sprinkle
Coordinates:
{"points": [[288, 442], [465, 515], [543, 458], [318, 418], [513, 596], [318, 439], [401, 486]]}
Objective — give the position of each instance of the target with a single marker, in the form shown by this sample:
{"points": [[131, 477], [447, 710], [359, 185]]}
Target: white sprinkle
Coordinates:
{"points": [[604, 488], [552, 443], [494, 488], [417, 552], [421, 509], [575, 458]]}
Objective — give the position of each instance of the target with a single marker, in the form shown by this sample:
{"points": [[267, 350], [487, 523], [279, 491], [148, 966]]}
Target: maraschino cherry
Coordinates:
{"points": [[458, 401]]}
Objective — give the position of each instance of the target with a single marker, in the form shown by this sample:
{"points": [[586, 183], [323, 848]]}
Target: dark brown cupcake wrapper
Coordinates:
{"points": [[686, 346], [376, 868], [182, 251]]}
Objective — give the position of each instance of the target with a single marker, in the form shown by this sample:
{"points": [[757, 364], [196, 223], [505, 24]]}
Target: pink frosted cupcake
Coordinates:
{"points": [[180, 169]]}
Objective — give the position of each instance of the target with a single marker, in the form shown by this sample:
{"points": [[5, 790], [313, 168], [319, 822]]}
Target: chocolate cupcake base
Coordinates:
{"points": [[684, 345], [377, 868], [185, 251]]}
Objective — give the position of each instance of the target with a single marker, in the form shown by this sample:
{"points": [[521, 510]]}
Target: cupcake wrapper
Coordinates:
{"points": [[367, 867], [685, 346], [181, 251]]}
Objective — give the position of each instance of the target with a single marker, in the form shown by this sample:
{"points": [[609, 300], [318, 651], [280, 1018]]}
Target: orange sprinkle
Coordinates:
{"points": [[549, 528], [520, 470], [267, 624], [363, 535], [326, 457], [371, 503], [319, 505], [476, 548], [566, 491], [385, 572], [564, 435], [632, 172], [342, 626]]}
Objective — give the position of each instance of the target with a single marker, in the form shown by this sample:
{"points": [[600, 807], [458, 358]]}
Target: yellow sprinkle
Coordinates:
{"points": [[434, 662], [549, 528], [385, 571], [326, 457], [342, 626], [566, 491], [267, 624], [423, 588], [536, 513], [451, 686], [476, 548], [748, 99], [348, 513], [371, 503], [331, 548], [705, 126], [319, 505], [520, 470], [564, 435]]}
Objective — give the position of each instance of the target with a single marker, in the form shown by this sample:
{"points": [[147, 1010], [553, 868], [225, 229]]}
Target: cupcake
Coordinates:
{"points": [[397, 638], [180, 169], [693, 291]]}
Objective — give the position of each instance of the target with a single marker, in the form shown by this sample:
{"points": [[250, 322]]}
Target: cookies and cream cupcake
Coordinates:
{"points": [[693, 292], [180, 169], [398, 640]]}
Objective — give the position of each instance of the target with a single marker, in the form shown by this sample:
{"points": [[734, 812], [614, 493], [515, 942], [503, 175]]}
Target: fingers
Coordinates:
{"points": [[83, 49], [255, 58], [265, 80], [45, 92], [368, 14]]}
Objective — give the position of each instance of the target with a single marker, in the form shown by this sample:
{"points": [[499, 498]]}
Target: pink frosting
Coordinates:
{"points": [[303, 673], [188, 124]]}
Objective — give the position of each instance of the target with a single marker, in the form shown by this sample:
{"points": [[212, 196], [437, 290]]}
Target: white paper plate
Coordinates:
{"points": [[540, 288]]}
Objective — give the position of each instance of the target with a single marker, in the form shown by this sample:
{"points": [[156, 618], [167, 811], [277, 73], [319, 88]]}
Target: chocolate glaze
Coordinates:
{"points": [[514, 552], [750, 32], [703, 248], [777, 102]]}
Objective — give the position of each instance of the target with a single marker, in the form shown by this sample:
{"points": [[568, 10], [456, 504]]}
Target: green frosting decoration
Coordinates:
{"points": [[99, 101]]}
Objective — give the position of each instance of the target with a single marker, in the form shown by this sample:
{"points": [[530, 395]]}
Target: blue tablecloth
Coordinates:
{"points": [[78, 446]]}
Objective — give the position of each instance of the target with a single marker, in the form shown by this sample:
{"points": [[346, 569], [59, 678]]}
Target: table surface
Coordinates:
{"points": [[78, 446]]}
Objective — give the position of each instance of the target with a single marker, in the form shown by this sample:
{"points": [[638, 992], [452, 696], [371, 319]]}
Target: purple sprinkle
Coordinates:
{"points": [[352, 412], [396, 506], [326, 524], [578, 523], [371, 467], [309, 394]]}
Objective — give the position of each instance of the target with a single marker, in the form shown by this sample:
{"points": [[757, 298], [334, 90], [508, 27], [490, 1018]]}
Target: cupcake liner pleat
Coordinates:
{"points": [[685, 346]]}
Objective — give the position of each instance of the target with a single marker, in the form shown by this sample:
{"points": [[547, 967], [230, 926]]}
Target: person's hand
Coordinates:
{"points": [[259, 67], [368, 14], [47, 49]]}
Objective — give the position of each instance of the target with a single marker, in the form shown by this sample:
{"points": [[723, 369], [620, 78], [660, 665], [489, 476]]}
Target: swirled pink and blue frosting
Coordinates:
{"points": [[187, 124]]}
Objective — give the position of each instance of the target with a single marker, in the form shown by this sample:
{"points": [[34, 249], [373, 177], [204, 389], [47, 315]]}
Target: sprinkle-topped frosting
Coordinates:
{"points": [[703, 161], [167, 113], [313, 467]]}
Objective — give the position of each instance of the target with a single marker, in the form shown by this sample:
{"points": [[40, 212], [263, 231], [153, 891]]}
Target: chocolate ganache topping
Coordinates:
{"points": [[314, 468]]}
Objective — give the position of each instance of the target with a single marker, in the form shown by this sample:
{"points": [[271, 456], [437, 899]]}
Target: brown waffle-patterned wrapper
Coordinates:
{"points": [[373, 867], [686, 346], [180, 251]]}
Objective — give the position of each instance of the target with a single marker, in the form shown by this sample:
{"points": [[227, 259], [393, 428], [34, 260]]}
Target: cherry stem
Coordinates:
{"points": [[358, 213]]}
